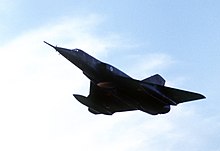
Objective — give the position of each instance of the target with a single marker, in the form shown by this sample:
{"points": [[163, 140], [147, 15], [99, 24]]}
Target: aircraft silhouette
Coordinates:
{"points": [[111, 90]]}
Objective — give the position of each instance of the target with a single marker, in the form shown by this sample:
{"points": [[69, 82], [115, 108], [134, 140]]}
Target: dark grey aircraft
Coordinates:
{"points": [[111, 90]]}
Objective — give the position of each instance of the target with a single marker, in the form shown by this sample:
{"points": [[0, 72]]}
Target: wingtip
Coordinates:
{"points": [[200, 97], [203, 97]]}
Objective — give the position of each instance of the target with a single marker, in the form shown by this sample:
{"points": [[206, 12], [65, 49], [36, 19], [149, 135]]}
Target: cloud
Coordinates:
{"points": [[37, 109]]}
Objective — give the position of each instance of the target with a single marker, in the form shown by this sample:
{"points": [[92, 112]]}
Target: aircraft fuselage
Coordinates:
{"points": [[111, 90]]}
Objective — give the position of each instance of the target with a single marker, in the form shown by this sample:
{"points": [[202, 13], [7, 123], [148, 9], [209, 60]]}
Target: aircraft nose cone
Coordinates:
{"points": [[66, 53], [62, 51], [70, 54]]}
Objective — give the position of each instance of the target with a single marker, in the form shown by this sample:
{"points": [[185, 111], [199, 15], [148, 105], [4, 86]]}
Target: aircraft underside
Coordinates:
{"points": [[104, 98]]}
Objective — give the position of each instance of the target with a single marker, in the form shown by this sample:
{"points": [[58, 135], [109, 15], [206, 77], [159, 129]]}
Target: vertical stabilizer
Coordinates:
{"points": [[155, 79]]}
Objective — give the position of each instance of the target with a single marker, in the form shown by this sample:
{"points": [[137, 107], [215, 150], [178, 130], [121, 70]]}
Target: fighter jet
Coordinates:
{"points": [[111, 90]]}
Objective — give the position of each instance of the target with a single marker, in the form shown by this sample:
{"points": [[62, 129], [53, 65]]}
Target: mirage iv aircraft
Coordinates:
{"points": [[111, 90]]}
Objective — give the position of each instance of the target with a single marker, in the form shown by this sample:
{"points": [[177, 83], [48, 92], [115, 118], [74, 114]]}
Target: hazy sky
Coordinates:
{"points": [[178, 39]]}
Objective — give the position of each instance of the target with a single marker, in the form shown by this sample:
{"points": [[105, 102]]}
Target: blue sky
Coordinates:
{"points": [[178, 39]]}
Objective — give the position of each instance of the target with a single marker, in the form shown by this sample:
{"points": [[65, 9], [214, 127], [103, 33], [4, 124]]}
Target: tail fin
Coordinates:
{"points": [[155, 79], [179, 96]]}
